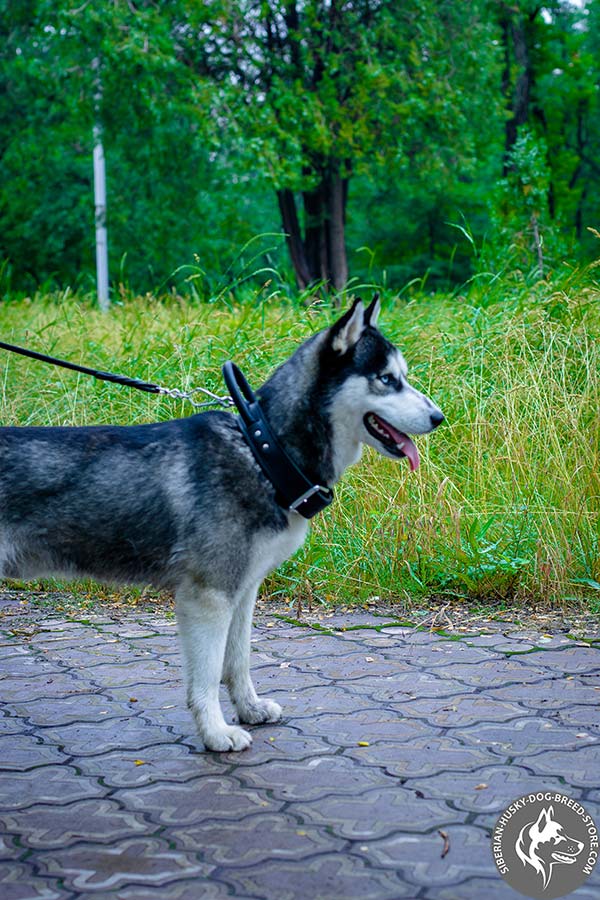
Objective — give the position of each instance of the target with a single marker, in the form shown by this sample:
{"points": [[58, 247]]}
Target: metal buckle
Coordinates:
{"points": [[306, 496]]}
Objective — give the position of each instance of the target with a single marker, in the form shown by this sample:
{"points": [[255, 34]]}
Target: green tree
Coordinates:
{"points": [[316, 92], [551, 90], [171, 197]]}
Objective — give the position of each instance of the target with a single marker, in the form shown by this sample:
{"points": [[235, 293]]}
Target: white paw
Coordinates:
{"points": [[260, 711], [232, 737]]}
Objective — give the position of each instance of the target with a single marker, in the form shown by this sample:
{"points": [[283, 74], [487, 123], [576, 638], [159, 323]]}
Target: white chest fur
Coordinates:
{"points": [[270, 550]]}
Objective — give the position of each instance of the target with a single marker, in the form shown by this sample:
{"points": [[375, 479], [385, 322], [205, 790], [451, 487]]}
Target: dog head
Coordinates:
{"points": [[374, 402], [544, 843]]}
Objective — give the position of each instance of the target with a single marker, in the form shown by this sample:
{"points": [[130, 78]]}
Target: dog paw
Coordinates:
{"points": [[230, 738], [259, 712]]}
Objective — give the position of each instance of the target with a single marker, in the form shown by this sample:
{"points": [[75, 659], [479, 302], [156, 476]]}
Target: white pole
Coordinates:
{"points": [[101, 236], [100, 201]]}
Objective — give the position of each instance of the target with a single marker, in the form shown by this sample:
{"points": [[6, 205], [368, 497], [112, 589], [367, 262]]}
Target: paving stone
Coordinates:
{"points": [[474, 889], [282, 742], [277, 678], [10, 650], [59, 711], [488, 789], [17, 883], [354, 666], [408, 685], [305, 702], [311, 780], [488, 640], [347, 729], [332, 876], [196, 888], [45, 826], [129, 673], [377, 812], [157, 763], [151, 696], [461, 709], [584, 717], [524, 736], [419, 857], [21, 752], [106, 791], [398, 630], [496, 672], [59, 684], [581, 766], [47, 784], [13, 725], [442, 652], [139, 860], [28, 666], [210, 797], [255, 840], [124, 733], [571, 660], [545, 641], [422, 756], [549, 693]]}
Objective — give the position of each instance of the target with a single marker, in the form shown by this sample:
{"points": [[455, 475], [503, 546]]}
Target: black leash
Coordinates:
{"points": [[122, 379], [293, 489]]}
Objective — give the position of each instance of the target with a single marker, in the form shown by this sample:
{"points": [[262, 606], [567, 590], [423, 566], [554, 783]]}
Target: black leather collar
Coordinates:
{"points": [[294, 491]]}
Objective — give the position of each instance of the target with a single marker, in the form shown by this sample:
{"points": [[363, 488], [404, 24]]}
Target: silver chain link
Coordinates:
{"points": [[215, 400]]}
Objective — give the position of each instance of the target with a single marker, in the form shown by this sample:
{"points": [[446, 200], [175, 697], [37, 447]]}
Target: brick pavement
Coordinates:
{"points": [[391, 735]]}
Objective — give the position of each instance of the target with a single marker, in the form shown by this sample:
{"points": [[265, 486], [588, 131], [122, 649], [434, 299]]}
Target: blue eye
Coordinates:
{"points": [[385, 379]]}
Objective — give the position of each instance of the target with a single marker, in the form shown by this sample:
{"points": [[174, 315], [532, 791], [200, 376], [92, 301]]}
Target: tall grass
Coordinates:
{"points": [[505, 506]]}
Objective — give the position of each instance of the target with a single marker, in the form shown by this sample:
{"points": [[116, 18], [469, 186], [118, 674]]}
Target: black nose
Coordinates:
{"points": [[436, 418]]}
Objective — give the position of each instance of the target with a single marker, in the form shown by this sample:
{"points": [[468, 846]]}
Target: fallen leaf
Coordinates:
{"points": [[446, 846]]}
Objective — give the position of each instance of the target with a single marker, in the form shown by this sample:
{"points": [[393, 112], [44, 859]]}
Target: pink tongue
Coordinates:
{"points": [[408, 448]]}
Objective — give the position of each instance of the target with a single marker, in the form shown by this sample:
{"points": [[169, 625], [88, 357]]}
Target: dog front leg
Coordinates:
{"points": [[236, 671], [204, 617]]}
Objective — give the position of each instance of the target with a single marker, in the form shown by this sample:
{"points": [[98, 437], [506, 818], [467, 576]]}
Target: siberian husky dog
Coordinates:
{"points": [[184, 505]]}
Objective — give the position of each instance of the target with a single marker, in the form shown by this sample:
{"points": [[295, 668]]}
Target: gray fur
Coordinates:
{"points": [[184, 505]]}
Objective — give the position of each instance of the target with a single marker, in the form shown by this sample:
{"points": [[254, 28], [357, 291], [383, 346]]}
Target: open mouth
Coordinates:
{"points": [[395, 442], [563, 858]]}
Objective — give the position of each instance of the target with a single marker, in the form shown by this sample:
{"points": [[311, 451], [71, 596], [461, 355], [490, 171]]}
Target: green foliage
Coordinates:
{"points": [[207, 107]]}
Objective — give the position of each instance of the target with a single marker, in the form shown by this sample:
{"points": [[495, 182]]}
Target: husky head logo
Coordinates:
{"points": [[544, 844]]}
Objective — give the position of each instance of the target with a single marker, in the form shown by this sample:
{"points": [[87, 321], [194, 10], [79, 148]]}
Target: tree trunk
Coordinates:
{"points": [[319, 256], [314, 233], [336, 215], [516, 46], [293, 236]]}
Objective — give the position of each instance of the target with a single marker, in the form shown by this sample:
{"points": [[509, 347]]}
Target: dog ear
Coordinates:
{"points": [[345, 333], [543, 820], [372, 311]]}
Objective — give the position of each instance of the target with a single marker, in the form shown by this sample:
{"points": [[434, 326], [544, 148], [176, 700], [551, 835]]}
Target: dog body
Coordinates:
{"points": [[184, 504], [544, 844]]}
